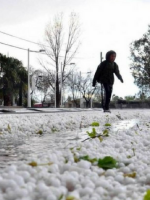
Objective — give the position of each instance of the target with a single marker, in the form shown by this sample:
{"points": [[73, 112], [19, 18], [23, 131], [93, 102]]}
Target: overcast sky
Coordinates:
{"points": [[106, 25]]}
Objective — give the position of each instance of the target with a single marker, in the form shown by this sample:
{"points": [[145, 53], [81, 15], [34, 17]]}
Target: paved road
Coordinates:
{"points": [[43, 110]]}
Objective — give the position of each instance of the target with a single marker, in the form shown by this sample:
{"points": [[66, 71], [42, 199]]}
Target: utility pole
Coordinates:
{"points": [[101, 58], [55, 88], [80, 89], [29, 96], [61, 86], [91, 101]]}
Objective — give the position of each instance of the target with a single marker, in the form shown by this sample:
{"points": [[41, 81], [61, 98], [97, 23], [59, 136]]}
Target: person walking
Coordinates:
{"points": [[105, 75]]}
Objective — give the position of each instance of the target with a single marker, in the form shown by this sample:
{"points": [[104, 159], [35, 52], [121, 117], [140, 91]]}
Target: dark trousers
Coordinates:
{"points": [[108, 91]]}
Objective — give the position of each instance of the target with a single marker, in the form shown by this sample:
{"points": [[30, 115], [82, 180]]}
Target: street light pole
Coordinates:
{"points": [[55, 88], [61, 86], [2, 73], [29, 95], [91, 93], [61, 82], [80, 89]]}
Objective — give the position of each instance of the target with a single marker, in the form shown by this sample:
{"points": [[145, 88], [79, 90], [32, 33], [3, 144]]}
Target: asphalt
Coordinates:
{"points": [[16, 110]]}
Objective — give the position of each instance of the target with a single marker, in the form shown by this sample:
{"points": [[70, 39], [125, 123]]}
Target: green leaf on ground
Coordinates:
{"points": [[92, 134], [71, 198], [44, 164], [33, 164], [132, 175], [105, 132], [54, 129], [95, 124], [129, 156], [76, 159], [100, 138], [107, 124], [79, 148], [9, 129], [107, 162], [133, 149], [147, 195], [61, 196], [40, 132], [92, 160]]}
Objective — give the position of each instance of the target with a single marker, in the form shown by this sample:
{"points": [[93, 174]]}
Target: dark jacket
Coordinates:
{"points": [[105, 73]]}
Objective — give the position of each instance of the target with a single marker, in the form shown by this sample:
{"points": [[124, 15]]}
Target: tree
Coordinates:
{"points": [[62, 47], [73, 83], [80, 86], [45, 84], [140, 66], [97, 94], [14, 81], [85, 87], [115, 98], [129, 98]]}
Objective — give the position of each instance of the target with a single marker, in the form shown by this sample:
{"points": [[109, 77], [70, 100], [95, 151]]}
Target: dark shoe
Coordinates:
{"points": [[107, 111]]}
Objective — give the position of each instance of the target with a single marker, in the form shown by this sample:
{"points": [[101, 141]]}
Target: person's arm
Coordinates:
{"points": [[97, 74], [118, 73]]}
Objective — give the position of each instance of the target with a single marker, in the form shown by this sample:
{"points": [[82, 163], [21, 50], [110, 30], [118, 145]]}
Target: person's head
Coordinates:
{"points": [[111, 56]]}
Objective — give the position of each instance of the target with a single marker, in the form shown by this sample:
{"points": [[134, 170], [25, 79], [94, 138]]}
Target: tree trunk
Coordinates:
{"points": [[20, 95], [13, 101], [57, 94], [87, 104], [7, 100]]}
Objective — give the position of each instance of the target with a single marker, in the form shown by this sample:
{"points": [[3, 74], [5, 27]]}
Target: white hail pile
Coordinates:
{"points": [[58, 176]]}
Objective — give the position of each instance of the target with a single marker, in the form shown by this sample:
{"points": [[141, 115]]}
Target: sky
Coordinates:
{"points": [[105, 25]]}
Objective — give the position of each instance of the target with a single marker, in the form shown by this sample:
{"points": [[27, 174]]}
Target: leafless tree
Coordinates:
{"points": [[45, 83], [81, 86], [86, 89], [97, 94], [62, 47], [73, 82]]}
